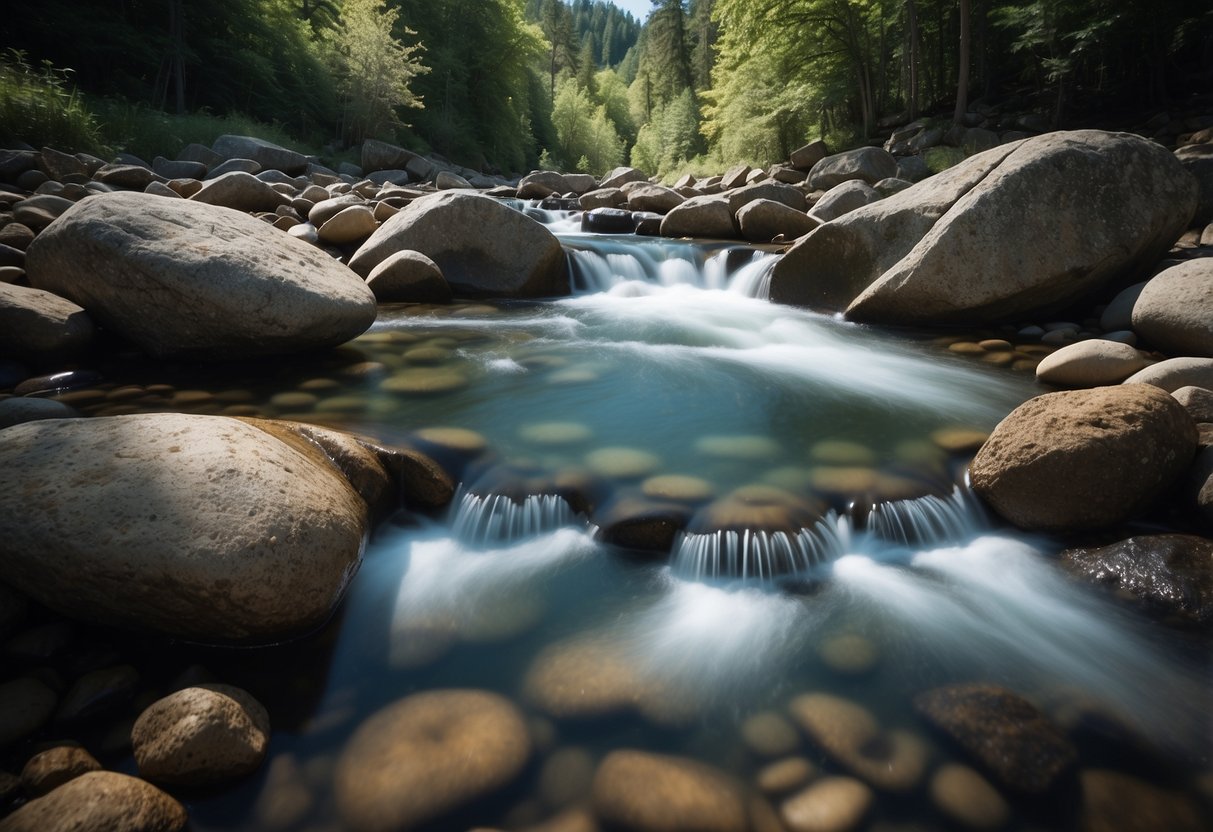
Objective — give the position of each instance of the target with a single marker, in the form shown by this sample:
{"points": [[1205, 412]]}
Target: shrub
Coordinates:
{"points": [[41, 107]]}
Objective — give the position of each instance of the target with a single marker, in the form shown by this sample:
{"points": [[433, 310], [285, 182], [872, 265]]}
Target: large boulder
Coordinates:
{"points": [[188, 280], [871, 164], [377, 155], [267, 154], [776, 191], [765, 219], [656, 198], [428, 755], [1174, 373], [240, 191], [482, 247], [1084, 459], [200, 527], [1174, 312], [1019, 230], [700, 216], [843, 199]]}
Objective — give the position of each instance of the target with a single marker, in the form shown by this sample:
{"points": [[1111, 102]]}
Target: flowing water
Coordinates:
{"points": [[831, 545]]}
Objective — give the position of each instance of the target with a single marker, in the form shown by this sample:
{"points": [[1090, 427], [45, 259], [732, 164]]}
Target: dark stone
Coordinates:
{"points": [[648, 224], [68, 380], [99, 692], [642, 525], [608, 221], [1167, 574], [1017, 744]]}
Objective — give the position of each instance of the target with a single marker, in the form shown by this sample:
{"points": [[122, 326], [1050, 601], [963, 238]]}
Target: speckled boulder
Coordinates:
{"points": [[1084, 459], [99, 800], [201, 736], [200, 527]]}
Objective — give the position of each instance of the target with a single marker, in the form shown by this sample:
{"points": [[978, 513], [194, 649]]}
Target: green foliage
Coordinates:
{"points": [[941, 158], [584, 131], [147, 132], [40, 106], [671, 138], [375, 71]]}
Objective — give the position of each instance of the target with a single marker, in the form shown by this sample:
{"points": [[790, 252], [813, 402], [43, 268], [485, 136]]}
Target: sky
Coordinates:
{"points": [[639, 8]]}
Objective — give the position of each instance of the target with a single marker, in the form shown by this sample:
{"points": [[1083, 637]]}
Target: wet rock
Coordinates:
{"points": [[769, 734], [408, 277], [1175, 308], [202, 282], [1091, 363], [849, 654], [482, 247], [266, 154], [843, 199], [429, 754], [1073, 460], [869, 164], [765, 219], [588, 678], [100, 800], [757, 508], [1003, 732], [50, 769], [286, 799], [681, 488], [197, 526], [700, 216], [621, 463], [606, 220], [968, 799], [25, 705], [201, 736], [832, 804], [643, 792], [1117, 802], [38, 324], [641, 525], [785, 775], [1175, 373], [1168, 574], [97, 693], [893, 761]]}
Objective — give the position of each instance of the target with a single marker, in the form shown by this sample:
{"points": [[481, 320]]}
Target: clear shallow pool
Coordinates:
{"points": [[665, 376]]}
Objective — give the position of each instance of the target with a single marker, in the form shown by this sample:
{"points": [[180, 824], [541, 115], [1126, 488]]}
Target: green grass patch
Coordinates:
{"points": [[941, 158], [39, 105]]}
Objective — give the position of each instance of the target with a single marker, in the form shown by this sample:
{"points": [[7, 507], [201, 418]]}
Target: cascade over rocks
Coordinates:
{"points": [[188, 280], [1015, 231], [482, 247], [200, 527], [1084, 459]]}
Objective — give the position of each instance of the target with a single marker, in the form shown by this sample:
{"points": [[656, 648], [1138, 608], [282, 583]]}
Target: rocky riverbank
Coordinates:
{"points": [[237, 530]]}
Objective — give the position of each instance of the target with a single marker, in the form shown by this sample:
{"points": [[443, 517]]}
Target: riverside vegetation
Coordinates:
{"points": [[851, 490]]}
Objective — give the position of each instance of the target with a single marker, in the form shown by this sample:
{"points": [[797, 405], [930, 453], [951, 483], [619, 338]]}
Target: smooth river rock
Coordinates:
{"points": [[1174, 312], [1013, 232], [643, 792], [1084, 459], [1091, 363], [38, 324], [482, 247], [99, 800], [200, 527], [428, 755], [200, 736], [188, 280]]}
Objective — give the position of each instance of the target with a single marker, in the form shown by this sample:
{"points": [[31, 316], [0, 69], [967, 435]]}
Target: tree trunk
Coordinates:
{"points": [[915, 56], [962, 65]]}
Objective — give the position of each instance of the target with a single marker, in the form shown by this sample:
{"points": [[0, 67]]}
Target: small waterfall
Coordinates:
{"points": [[496, 518], [928, 519], [557, 221], [754, 279], [599, 264], [758, 554]]}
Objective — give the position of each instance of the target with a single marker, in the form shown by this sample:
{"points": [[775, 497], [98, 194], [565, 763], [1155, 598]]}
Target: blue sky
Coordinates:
{"points": [[638, 8]]}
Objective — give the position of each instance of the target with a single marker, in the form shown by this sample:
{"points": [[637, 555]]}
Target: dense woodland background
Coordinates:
{"points": [[509, 85]]}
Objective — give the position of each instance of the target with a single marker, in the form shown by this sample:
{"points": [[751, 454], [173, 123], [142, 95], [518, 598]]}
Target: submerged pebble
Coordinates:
{"points": [[849, 654], [968, 799], [769, 734], [832, 804], [555, 433], [621, 463]]}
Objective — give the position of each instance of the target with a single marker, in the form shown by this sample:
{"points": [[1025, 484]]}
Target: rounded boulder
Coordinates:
{"points": [[100, 800], [200, 527], [188, 280], [482, 247], [1084, 459], [643, 792], [1174, 311]]}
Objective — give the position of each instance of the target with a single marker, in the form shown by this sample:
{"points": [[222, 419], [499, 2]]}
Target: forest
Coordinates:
{"points": [[509, 85]]}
